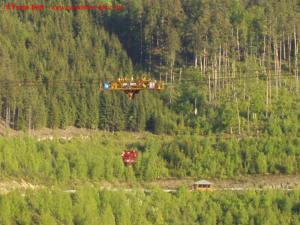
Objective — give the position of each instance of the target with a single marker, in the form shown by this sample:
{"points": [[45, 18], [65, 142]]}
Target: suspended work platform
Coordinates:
{"points": [[131, 87]]}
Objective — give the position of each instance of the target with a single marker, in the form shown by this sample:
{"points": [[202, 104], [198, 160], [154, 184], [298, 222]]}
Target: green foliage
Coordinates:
{"points": [[99, 158], [124, 208], [57, 49], [60, 50], [224, 40]]}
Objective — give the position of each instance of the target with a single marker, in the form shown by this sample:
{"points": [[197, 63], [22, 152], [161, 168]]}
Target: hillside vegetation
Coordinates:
{"points": [[235, 62], [230, 109], [134, 208], [98, 158]]}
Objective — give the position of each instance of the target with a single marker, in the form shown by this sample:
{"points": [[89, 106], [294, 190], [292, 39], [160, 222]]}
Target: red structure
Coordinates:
{"points": [[129, 157]]}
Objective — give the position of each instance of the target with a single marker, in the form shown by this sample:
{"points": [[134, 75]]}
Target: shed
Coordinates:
{"points": [[202, 185]]}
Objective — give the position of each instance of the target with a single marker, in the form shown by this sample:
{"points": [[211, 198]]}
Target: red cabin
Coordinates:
{"points": [[130, 157]]}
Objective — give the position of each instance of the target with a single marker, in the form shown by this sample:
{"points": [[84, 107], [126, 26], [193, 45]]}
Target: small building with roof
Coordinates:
{"points": [[202, 185]]}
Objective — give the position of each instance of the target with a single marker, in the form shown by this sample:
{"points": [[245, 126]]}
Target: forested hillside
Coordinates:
{"points": [[134, 208], [99, 158], [230, 109], [231, 66]]}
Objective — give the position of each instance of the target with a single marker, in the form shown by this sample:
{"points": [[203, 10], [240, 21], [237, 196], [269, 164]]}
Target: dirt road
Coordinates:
{"points": [[266, 182], [261, 181]]}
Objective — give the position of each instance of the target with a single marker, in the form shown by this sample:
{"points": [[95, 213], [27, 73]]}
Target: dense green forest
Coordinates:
{"points": [[99, 158], [135, 208], [231, 66], [231, 108]]}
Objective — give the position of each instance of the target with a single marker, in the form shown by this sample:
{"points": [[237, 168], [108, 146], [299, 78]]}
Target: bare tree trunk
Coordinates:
{"points": [[267, 97], [201, 64], [14, 116], [284, 53], [238, 43], [270, 87], [214, 82], [29, 118], [171, 90], [150, 54], [244, 88], [225, 67], [290, 52], [219, 67], [7, 116], [276, 67], [204, 61], [279, 63], [248, 114], [215, 77], [251, 46], [269, 64], [233, 77], [180, 73], [171, 72], [141, 43], [238, 114], [260, 61], [264, 53], [296, 58], [166, 77], [209, 88]]}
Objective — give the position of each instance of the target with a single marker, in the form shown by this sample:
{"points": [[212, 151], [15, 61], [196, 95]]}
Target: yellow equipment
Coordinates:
{"points": [[132, 86]]}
